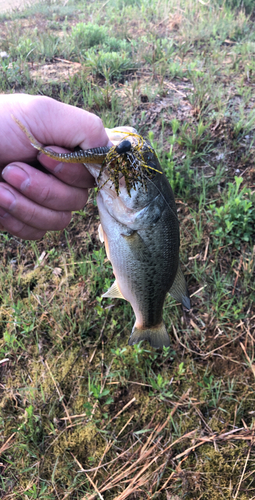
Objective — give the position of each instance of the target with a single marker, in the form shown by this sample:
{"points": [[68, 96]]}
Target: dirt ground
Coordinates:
{"points": [[6, 5]]}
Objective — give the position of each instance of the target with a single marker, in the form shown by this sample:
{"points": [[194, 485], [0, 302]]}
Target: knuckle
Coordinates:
{"points": [[36, 235], [96, 124], [63, 221], [79, 204], [45, 194], [30, 216], [18, 228]]}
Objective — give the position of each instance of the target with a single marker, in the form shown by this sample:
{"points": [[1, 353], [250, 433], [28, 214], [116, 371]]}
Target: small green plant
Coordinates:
{"points": [[179, 176], [111, 65], [9, 339], [31, 428], [161, 386], [181, 371], [112, 44], [197, 140], [95, 390], [247, 5], [235, 219], [11, 73], [101, 395], [48, 45], [245, 125], [25, 48], [39, 492], [211, 389], [88, 35]]}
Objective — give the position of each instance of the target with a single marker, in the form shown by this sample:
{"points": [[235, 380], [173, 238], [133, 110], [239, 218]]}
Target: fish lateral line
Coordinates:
{"points": [[166, 202]]}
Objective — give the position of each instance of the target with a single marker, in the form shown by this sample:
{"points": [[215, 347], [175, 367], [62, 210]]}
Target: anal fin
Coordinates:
{"points": [[113, 292]]}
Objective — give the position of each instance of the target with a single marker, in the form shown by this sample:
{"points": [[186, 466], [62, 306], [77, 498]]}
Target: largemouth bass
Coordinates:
{"points": [[139, 227]]}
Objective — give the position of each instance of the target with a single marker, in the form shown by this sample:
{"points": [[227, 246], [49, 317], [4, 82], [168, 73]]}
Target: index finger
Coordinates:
{"points": [[74, 174]]}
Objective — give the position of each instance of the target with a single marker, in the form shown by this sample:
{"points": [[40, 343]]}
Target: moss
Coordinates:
{"points": [[215, 474], [84, 442]]}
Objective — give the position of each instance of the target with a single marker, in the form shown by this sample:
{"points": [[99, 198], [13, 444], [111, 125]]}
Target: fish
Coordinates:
{"points": [[138, 226], [140, 231]]}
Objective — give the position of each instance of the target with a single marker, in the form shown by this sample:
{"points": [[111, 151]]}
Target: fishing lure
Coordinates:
{"points": [[124, 159]]}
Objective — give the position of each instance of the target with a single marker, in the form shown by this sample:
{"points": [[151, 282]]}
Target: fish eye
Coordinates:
{"points": [[123, 147]]}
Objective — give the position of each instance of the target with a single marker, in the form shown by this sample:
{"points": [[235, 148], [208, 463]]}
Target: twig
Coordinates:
{"points": [[121, 411], [237, 274], [94, 486], [108, 463], [252, 365], [244, 469], [195, 293], [5, 360], [5, 446], [173, 87], [110, 444], [103, 6], [61, 396], [66, 61], [206, 249]]}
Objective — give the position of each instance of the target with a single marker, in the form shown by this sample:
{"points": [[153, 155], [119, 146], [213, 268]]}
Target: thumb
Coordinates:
{"points": [[64, 125]]}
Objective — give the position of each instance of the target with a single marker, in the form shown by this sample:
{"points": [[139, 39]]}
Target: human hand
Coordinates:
{"points": [[33, 202]]}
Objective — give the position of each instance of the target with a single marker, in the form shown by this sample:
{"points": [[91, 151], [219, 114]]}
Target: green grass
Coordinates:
{"points": [[177, 423]]}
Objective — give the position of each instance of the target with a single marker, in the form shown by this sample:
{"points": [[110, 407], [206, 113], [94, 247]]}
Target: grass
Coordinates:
{"points": [[82, 414]]}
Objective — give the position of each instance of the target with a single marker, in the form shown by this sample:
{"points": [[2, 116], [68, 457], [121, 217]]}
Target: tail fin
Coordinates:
{"points": [[156, 336]]}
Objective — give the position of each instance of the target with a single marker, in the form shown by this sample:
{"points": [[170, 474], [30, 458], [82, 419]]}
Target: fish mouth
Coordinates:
{"points": [[131, 162], [116, 136]]}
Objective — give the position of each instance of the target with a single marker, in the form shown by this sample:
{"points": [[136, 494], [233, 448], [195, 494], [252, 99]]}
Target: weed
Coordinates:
{"points": [[248, 5], [12, 74], [245, 125], [26, 48], [48, 45], [111, 65], [161, 386], [235, 219], [112, 44], [179, 176], [88, 35], [39, 493]]}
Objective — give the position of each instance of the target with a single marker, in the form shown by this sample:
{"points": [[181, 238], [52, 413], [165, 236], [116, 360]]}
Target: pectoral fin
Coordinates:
{"points": [[101, 233], [113, 292], [179, 289], [136, 245]]}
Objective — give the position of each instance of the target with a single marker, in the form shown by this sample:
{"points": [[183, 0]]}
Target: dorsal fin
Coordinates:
{"points": [[179, 289]]}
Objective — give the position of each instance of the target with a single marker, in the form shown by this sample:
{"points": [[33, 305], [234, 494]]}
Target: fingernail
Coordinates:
{"points": [[58, 168], [7, 199], [16, 176]]}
